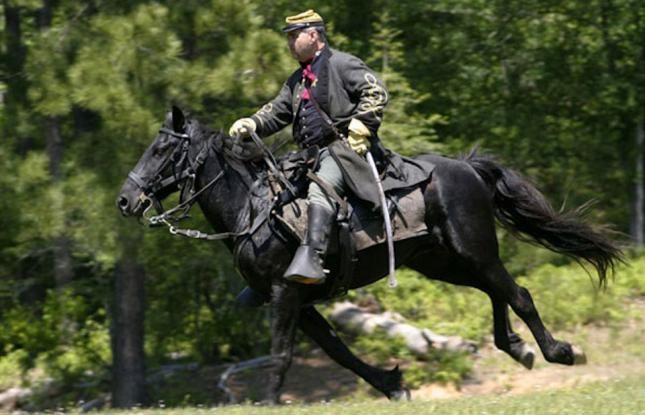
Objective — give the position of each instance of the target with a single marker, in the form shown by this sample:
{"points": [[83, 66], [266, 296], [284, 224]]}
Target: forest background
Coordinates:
{"points": [[554, 89]]}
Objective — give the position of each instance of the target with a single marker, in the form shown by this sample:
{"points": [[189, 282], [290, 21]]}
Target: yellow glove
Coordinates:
{"points": [[358, 136], [242, 128]]}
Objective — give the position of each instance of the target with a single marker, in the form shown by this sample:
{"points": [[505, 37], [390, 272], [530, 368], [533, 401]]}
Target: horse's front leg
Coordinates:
{"points": [[285, 306], [389, 382]]}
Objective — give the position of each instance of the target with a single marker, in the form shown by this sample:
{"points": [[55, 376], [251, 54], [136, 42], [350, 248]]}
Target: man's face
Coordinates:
{"points": [[302, 44]]}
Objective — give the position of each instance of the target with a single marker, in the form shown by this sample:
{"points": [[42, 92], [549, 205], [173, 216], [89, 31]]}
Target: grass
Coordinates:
{"points": [[623, 396]]}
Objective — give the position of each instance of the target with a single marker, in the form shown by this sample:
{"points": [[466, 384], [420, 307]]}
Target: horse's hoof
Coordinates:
{"points": [[527, 357], [401, 395], [579, 357], [524, 356]]}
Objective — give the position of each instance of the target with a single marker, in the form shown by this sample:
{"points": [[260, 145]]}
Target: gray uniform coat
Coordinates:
{"points": [[345, 88]]}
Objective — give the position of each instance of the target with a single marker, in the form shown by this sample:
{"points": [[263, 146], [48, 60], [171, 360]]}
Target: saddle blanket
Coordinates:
{"points": [[407, 213]]}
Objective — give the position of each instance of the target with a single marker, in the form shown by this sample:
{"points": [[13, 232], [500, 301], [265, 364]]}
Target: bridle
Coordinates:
{"points": [[179, 155], [185, 171]]}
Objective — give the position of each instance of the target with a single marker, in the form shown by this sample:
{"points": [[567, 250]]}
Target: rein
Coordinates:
{"points": [[169, 217], [270, 161]]}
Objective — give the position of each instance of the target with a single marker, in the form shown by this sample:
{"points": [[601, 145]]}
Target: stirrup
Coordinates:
{"points": [[306, 267]]}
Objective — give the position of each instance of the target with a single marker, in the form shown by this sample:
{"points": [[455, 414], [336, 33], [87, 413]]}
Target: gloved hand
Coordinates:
{"points": [[358, 136], [242, 128]]}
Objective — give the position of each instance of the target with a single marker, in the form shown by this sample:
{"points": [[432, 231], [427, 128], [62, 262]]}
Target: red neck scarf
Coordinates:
{"points": [[309, 77]]}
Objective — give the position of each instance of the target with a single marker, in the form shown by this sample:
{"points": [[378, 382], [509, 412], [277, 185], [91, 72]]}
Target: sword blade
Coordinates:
{"points": [[391, 279]]}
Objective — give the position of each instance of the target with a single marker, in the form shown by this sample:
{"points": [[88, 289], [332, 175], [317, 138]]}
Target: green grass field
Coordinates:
{"points": [[624, 396]]}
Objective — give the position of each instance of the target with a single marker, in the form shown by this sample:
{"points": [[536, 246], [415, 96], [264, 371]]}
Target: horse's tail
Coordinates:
{"points": [[526, 213]]}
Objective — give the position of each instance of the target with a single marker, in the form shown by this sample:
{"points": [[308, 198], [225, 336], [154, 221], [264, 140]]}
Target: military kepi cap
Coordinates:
{"points": [[303, 20]]}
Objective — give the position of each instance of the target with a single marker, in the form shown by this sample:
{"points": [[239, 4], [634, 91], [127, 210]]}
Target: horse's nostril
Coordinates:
{"points": [[123, 202]]}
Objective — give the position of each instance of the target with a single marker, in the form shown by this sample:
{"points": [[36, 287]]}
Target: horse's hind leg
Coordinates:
{"points": [[467, 226], [519, 298], [506, 339], [389, 382]]}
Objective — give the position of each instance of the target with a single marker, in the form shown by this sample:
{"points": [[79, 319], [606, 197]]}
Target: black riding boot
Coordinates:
{"points": [[307, 264]]}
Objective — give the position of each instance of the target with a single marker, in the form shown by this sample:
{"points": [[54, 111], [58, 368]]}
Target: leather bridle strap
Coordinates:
{"points": [[175, 134], [152, 186], [137, 180]]}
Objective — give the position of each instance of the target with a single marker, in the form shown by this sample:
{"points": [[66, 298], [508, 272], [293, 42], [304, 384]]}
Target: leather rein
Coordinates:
{"points": [[185, 179]]}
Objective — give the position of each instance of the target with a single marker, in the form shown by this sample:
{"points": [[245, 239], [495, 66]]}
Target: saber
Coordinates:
{"points": [[391, 279]]}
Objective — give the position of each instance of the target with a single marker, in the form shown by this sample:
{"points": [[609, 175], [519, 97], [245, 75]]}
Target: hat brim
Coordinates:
{"points": [[299, 26]]}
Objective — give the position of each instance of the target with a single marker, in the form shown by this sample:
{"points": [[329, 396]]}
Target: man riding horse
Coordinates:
{"points": [[332, 100], [456, 202]]}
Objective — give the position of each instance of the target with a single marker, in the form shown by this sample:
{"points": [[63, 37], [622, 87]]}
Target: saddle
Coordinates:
{"points": [[407, 214], [402, 178]]}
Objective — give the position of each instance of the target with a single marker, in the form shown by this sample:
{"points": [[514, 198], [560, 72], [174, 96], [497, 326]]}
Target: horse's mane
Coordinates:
{"points": [[237, 149]]}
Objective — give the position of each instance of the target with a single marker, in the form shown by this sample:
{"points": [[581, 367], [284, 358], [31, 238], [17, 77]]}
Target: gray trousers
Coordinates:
{"points": [[329, 171]]}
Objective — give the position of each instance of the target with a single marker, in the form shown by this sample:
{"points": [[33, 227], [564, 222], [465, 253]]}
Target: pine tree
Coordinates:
{"points": [[404, 129]]}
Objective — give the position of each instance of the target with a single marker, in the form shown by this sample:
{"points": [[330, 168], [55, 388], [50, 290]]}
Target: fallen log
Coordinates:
{"points": [[351, 318], [10, 398]]}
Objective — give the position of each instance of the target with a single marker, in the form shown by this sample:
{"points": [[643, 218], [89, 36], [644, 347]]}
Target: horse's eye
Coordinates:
{"points": [[161, 147]]}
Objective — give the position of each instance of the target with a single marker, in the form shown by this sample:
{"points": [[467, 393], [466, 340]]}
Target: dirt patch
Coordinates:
{"points": [[312, 378]]}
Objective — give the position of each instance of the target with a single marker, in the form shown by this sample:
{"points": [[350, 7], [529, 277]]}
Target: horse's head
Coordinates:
{"points": [[159, 171], [170, 163]]}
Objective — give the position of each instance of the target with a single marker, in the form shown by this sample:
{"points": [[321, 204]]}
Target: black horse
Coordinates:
{"points": [[462, 201]]}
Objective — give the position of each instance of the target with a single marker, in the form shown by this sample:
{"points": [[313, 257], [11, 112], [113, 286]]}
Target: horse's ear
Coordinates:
{"points": [[178, 119]]}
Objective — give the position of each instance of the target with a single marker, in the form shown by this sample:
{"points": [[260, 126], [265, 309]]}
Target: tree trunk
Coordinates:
{"points": [[128, 370], [14, 57], [638, 218], [45, 14], [12, 61], [63, 264]]}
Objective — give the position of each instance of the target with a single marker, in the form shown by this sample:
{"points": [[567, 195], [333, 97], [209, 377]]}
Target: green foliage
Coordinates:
{"points": [[443, 308], [565, 295], [436, 366], [405, 129], [11, 366], [11, 213], [125, 88], [68, 339], [209, 328]]}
